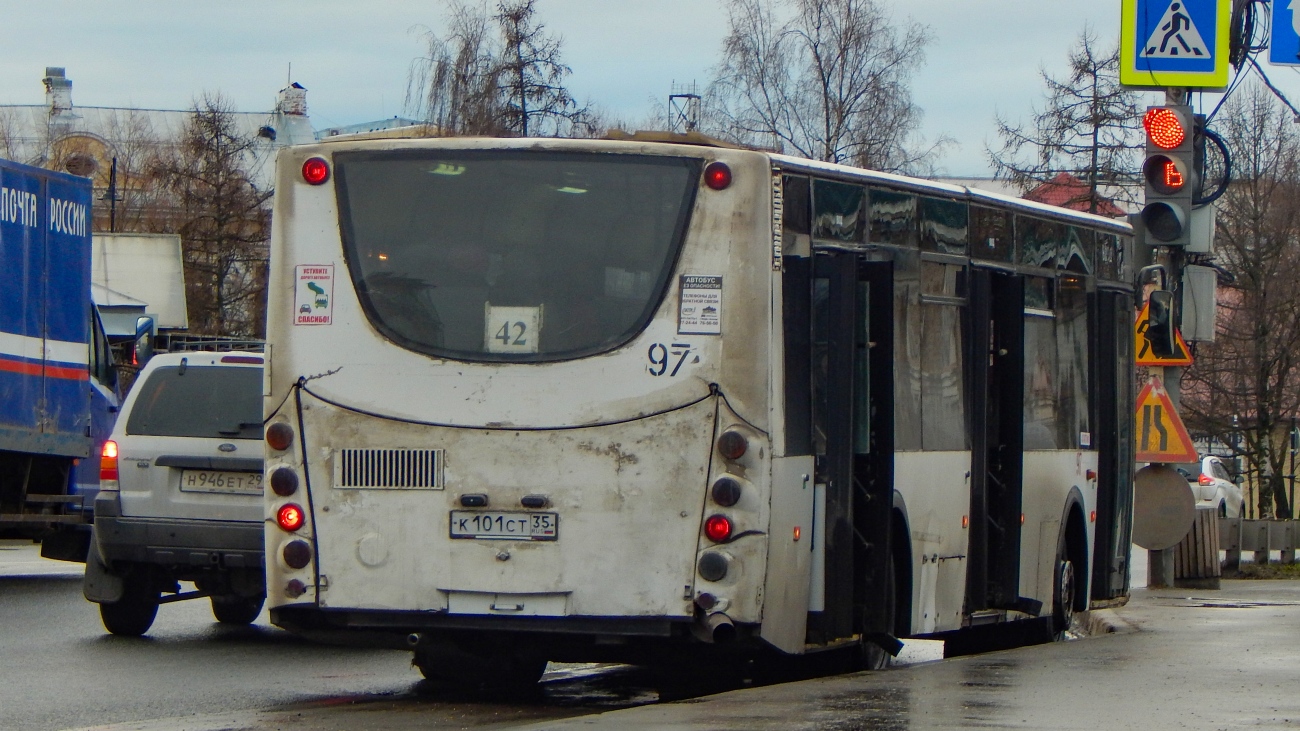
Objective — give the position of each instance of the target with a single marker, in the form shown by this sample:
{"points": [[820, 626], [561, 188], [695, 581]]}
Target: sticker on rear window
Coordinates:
{"points": [[313, 300]]}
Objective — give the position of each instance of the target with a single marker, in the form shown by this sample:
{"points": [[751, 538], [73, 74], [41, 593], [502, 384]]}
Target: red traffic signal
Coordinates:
{"points": [[1165, 127]]}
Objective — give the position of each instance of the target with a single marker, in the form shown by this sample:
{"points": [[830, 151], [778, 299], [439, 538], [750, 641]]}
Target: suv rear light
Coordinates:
{"points": [[108, 466], [1205, 480], [290, 517]]}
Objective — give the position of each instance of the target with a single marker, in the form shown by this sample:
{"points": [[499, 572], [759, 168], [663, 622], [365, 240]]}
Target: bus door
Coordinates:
{"points": [[852, 384], [995, 332], [1112, 323]]}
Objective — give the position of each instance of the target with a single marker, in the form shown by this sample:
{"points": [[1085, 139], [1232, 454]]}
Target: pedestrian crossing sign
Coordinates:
{"points": [[1166, 43], [1161, 436]]}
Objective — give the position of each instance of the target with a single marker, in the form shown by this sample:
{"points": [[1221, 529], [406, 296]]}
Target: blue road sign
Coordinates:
{"points": [[1175, 43], [1284, 46]]}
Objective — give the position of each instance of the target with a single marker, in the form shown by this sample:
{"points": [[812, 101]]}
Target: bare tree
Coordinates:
{"points": [[455, 85], [824, 79], [1247, 382], [1089, 128], [223, 220], [498, 74]]}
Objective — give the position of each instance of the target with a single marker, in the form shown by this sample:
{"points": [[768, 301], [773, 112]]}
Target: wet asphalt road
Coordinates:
{"points": [[59, 669]]}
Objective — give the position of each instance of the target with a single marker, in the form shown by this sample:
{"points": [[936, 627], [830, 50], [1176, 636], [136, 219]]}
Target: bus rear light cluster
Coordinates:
{"points": [[732, 445], [713, 566], [290, 517], [726, 491], [108, 465], [284, 481], [279, 436], [316, 171], [296, 554], [717, 528]]}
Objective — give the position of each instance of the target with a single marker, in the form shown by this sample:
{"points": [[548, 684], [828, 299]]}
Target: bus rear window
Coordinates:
{"points": [[512, 255]]}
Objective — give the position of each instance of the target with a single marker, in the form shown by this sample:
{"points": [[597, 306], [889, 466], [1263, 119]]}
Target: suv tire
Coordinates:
{"points": [[133, 614], [236, 609]]}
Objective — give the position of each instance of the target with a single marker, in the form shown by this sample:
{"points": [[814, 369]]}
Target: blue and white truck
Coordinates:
{"points": [[58, 388]]}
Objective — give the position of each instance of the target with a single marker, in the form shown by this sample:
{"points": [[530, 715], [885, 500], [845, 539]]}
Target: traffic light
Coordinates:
{"points": [[1170, 175]]}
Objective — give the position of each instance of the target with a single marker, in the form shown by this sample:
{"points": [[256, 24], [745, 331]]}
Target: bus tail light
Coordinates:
{"points": [[717, 528], [296, 554], [713, 566], [295, 589], [279, 436], [726, 491], [316, 171], [290, 517], [732, 445], [108, 466], [717, 175], [284, 481]]}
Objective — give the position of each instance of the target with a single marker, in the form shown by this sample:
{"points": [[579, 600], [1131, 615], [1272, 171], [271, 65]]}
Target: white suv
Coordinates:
{"points": [[181, 493], [1214, 488]]}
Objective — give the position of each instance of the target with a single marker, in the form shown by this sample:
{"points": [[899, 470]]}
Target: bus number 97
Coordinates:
{"points": [[665, 357]]}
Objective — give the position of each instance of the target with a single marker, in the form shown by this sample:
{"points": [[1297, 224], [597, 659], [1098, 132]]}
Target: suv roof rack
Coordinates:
{"points": [[172, 343]]}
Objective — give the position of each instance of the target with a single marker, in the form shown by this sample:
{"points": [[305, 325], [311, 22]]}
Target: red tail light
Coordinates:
{"points": [[717, 175], [279, 436], [108, 461], [1205, 480], [717, 528], [290, 517], [315, 171]]}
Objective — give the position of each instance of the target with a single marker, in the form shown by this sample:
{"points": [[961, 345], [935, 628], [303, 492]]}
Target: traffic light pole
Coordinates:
{"points": [[1160, 564]]}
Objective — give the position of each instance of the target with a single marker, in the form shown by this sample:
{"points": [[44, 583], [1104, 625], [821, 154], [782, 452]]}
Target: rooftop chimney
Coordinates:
{"points": [[58, 90], [293, 100]]}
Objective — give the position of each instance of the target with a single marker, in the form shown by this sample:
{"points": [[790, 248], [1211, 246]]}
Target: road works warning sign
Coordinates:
{"points": [[1145, 356], [1161, 436]]}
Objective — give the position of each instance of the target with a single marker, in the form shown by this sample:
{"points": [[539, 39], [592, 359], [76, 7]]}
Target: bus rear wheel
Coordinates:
{"points": [[236, 609], [504, 671]]}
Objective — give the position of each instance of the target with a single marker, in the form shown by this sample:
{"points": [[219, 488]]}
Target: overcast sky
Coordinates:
{"points": [[353, 56]]}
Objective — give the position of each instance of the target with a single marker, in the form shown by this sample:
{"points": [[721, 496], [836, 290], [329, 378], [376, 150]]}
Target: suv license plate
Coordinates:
{"points": [[505, 526], [236, 483]]}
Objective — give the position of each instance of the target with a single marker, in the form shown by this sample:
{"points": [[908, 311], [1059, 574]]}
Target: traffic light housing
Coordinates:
{"points": [[1169, 173]]}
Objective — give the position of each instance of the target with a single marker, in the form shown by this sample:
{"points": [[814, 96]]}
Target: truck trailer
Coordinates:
{"points": [[58, 388]]}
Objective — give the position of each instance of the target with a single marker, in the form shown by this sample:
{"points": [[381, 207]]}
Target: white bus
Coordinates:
{"points": [[576, 400]]}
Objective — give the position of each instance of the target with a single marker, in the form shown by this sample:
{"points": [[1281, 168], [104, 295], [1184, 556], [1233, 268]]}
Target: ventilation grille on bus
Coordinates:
{"points": [[388, 468]]}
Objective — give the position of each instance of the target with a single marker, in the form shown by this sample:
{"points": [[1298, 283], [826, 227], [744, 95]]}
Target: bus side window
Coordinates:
{"points": [[837, 209], [945, 226], [893, 218], [990, 235]]}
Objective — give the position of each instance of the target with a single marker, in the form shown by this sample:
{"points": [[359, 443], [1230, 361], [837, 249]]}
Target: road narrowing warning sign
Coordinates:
{"points": [[1161, 436], [1145, 356]]}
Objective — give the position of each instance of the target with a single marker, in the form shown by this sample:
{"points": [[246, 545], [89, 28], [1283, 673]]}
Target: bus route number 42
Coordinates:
{"points": [[667, 360]]}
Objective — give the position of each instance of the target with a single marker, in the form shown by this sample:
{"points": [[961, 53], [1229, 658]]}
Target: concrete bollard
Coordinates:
{"points": [[1196, 557]]}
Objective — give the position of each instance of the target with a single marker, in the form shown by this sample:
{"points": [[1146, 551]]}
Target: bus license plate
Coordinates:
{"points": [[236, 483], [505, 526]]}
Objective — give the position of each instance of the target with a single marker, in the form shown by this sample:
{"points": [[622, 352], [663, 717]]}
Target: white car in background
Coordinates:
{"points": [[181, 493], [1213, 487]]}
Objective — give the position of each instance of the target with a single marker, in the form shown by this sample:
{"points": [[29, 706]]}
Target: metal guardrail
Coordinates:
{"points": [[1258, 537]]}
